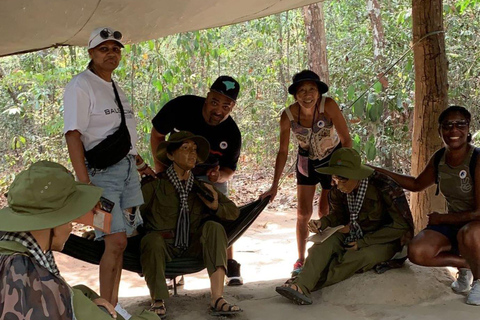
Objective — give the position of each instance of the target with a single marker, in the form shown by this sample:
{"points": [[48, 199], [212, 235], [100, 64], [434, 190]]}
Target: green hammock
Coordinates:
{"points": [[92, 251]]}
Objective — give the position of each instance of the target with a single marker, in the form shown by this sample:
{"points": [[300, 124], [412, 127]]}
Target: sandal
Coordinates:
{"points": [[291, 291], [216, 311], [158, 307]]}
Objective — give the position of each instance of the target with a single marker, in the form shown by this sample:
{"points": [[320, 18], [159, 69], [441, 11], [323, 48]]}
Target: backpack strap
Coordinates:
{"points": [[289, 114], [322, 104], [473, 163], [436, 161]]}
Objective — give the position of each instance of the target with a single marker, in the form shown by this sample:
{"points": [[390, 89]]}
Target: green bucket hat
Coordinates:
{"points": [[346, 162], [46, 196], [203, 147]]}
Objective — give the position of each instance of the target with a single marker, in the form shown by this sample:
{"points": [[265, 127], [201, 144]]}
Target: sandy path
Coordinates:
{"points": [[267, 252]]}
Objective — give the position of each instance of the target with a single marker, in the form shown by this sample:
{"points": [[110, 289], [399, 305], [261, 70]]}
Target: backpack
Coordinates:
{"points": [[438, 156]]}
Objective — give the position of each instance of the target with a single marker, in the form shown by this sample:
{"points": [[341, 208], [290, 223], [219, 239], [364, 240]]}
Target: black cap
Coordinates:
{"points": [[307, 75], [227, 86]]}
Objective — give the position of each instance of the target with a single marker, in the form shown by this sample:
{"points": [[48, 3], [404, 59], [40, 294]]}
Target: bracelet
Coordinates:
{"points": [[142, 166]]}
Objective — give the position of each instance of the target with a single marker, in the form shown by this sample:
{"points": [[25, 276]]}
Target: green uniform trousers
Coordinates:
{"points": [[329, 262], [209, 244]]}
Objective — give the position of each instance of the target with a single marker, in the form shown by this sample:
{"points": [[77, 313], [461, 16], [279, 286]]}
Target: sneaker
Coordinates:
{"points": [[463, 282], [297, 267], [474, 294], [124, 313], [233, 273]]}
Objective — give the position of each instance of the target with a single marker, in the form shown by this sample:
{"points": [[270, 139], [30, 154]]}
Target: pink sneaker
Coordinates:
{"points": [[297, 267]]}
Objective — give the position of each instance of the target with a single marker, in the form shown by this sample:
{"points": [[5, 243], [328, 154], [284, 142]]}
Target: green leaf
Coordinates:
{"points": [[158, 84], [370, 148], [351, 93], [378, 87]]}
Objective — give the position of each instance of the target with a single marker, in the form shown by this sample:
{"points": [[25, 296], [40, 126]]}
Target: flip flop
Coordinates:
{"points": [[215, 311], [294, 295]]}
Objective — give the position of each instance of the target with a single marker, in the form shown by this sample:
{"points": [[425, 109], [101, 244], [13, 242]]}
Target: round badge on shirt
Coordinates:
{"points": [[223, 145], [462, 174], [321, 123]]}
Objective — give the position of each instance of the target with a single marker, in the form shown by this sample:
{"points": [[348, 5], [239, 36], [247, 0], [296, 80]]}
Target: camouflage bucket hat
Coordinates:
{"points": [[46, 196], [203, 147], [346, 162]]}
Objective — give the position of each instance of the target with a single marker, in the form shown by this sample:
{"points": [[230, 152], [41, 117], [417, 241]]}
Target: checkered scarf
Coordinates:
{"points": [[46, 259], [355, 203], [183, 221]]}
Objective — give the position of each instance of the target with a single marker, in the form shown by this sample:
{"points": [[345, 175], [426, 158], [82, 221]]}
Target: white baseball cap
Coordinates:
{"points": [[100, 35]]}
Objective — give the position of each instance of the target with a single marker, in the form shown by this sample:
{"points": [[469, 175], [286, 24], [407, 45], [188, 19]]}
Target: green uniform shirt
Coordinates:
{"points": [[457, 185], [384, 217], [162, 214]]}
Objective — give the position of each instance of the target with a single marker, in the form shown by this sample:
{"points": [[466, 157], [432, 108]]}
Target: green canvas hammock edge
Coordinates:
{"points": [[92, 251]]}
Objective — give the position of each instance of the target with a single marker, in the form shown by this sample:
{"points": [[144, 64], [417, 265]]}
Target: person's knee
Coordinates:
{"points": [[212, 227], [152, 242], [469, 236], [115, 244], [418, 253], [303, 216], [214, 231]]}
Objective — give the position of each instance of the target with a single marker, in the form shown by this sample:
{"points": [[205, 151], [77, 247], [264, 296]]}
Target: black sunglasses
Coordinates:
{"points": [[105, 34], [461, 124]]}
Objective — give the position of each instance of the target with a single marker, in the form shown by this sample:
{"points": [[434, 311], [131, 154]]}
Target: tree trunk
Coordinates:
{"points": [[316, 40], [373, 7], [430, 99]]}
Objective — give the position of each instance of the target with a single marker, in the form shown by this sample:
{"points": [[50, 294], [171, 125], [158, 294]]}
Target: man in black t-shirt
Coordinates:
{"points": [[208, 117]]}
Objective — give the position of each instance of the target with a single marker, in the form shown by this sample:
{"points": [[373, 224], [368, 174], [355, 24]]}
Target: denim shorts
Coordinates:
{"points": [[121, 184]]}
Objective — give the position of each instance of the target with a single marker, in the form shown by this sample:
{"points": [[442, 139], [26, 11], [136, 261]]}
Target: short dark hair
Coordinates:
{"points": [[451, 109]]}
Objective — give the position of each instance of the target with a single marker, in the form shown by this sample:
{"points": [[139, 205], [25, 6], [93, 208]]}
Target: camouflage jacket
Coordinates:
{"points": [[28, 290]]}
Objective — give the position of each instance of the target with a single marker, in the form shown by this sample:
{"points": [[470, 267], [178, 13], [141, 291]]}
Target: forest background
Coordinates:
{"points": [[262, 55]]}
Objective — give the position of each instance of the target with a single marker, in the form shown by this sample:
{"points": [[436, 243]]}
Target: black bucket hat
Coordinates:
{"points": [[307, 75]]}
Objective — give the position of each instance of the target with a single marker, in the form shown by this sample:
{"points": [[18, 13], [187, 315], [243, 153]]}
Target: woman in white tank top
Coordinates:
{"points": [[320, 128]]}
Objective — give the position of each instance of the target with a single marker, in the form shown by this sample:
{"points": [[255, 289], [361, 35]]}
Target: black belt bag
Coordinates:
{"points": [[114, 147]]}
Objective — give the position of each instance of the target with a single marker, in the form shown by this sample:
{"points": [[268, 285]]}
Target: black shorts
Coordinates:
{"points": [[314, 177], [448, 231]]}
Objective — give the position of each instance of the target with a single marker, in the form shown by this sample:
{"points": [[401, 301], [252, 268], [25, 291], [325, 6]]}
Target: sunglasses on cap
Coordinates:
{"points": [[106, 33], [459, 124]]}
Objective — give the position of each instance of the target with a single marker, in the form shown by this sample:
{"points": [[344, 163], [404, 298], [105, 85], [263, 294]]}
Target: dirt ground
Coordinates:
{"points": [[267, 252]]}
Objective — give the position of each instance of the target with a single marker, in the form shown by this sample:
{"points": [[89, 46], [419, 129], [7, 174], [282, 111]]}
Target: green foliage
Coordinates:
{"points": [[262, 54]]}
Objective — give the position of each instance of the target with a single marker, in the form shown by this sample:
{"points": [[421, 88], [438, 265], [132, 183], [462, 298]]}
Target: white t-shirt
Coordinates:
{"points": [[90, 107]]}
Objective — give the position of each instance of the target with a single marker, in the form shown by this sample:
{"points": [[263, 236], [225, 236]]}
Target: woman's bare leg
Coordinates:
{"points": [[305, 196], [111, 266], [431, 249]]}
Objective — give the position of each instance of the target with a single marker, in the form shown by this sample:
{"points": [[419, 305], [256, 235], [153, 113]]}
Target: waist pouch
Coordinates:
{"points": [[110, 150], [114, 147]]}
